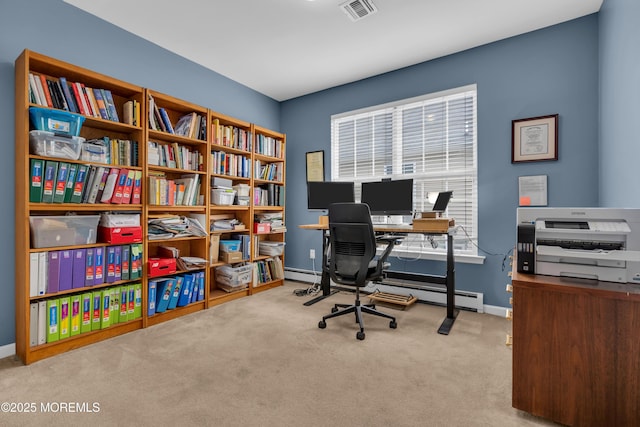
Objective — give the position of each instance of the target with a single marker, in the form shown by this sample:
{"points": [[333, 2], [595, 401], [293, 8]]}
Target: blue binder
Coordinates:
{"points": [[164, 293], [185, 292], [173, 302]]}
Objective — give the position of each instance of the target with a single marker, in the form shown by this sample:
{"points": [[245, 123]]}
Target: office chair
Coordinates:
{"points": [[352, 259]]}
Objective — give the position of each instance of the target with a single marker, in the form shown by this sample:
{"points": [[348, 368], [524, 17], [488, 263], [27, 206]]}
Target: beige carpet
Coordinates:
{"points": [[263, 361]]}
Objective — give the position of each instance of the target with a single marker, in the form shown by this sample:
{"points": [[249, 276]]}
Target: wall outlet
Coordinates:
{"points": [[312, 254]]}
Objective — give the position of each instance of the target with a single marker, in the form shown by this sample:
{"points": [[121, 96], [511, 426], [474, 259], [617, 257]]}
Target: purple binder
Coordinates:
{"points": [[79, 268], [66, 270]]}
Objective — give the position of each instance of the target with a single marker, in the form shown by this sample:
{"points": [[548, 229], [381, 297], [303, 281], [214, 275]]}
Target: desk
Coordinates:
{"points": [[575, 350], [448, 280]]}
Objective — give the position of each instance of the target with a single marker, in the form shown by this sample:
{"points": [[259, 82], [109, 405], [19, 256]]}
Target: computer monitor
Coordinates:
{"points": [[389, 197], [442, 201], [320, 194]]}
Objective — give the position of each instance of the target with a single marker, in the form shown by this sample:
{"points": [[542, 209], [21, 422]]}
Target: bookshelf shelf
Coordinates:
{"points": [[199, 134]]}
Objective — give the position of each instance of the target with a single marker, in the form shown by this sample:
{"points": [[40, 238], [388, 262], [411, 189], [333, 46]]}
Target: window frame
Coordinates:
{"points": [[415, 249]]}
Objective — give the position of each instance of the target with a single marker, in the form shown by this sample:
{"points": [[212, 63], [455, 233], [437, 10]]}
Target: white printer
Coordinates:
{"points": [[590, 243]]}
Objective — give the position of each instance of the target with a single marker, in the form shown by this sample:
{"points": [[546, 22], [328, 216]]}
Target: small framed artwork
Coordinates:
{"points": [[534, 139], [315, 166]]}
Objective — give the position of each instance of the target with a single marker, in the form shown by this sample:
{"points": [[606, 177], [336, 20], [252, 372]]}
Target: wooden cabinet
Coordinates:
{"points": [[576, 352], [174, 150]]}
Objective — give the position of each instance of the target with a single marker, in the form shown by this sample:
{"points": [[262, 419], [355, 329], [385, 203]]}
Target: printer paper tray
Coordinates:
{"points": [[557, 251]]}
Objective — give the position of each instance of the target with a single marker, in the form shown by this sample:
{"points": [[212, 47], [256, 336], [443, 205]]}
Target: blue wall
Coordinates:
{"points": [[553, 70], [56, 29], [619, 108]]}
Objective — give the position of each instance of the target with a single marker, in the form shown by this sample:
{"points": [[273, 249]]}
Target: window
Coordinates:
{"points": [[431, 139]]}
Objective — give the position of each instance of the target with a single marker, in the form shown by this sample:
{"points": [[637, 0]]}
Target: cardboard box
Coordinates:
{"points": [[231, 257], [434, 225], [161, 266], [118, 235], [214, 247], [259, 227]]}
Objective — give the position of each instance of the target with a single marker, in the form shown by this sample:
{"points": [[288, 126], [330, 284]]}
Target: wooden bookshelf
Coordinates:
{"points": [[161, 155]]}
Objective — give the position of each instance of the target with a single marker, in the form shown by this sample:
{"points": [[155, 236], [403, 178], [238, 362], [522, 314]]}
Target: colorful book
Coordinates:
{"points": [[110, 185], [163, 294], [137, 306], [50, 173], [61, 182], [115, 305], [71, 180], [79, 268], [53, 320], [117, 263], [111, 264], [53, 277], [137, 188], [76, 314], [131, 302], [86, 312], [175, 294], [71, 102], [128, 187], [111, 106], [35, 188], [105, 320], [96, 314], [79, 183], [66, 270], [89, 267], [125, 256], [102, 107], [119, 188], [98, 265], [152, 288], [185, 293], [124, 304], [65, 317]]}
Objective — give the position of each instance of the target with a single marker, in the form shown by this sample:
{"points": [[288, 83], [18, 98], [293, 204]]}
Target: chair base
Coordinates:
{"points": [[357, 309]]}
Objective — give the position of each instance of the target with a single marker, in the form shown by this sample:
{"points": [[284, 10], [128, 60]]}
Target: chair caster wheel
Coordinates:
{"points": [[334, 309], [393, 324], [322, 324], [360, 335]]}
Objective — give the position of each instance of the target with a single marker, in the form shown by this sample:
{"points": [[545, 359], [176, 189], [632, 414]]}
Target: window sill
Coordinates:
{"points": [[435, 256]]}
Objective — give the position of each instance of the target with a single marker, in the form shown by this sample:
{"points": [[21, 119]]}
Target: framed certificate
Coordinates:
{"points": [[315, 166], [534, 139]]}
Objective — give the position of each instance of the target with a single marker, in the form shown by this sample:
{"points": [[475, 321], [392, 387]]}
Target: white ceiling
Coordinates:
{"points": [[289, 48]]}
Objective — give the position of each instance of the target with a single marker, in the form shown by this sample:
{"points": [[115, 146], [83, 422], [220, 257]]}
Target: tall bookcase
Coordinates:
{"points": [[93, 127], [248, 150]]}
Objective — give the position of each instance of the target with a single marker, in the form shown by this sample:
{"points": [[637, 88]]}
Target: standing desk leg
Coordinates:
{"points": [[325, 280], [452, 312]]}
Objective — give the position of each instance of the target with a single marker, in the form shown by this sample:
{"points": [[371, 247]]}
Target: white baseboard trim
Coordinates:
{"points": [[434, 294], [7, 350]]}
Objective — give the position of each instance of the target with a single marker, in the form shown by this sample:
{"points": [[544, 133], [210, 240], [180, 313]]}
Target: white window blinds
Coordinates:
{"points": [[431, 139]]}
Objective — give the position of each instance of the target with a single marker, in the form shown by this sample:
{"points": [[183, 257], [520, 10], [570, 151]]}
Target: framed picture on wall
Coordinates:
{"points": [[315, 166], [534, 139]]}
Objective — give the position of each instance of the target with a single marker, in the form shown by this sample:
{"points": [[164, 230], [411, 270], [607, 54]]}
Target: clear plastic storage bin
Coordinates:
{"points": [[236, 277], [49, 144], [69, 230], [60, 122], [222, 197]]}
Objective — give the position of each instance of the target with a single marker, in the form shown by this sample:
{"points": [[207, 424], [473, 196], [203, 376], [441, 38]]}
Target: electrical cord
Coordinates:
{"points": [[314, 288]]}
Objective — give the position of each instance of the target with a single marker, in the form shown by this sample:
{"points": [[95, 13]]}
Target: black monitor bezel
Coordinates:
{"points": [[442, 201], [329, 184], [391, 186]]}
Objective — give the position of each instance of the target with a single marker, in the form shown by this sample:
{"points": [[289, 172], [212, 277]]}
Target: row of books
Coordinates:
{"points": [[191, 125], [231, 136], [177, 291], [64, 182], [183, 191], [72, 96], [268, 195], [230, 164], [268, 270], [269, 146], [117, 152], [55, 319], [174, 155], [268, 171], [51, 272]]}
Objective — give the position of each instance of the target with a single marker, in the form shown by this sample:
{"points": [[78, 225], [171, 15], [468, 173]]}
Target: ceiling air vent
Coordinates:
{"points": [[358, 9]]}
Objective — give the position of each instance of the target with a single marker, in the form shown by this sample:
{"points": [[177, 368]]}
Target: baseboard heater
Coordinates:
{"points": [[425, 292]]}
